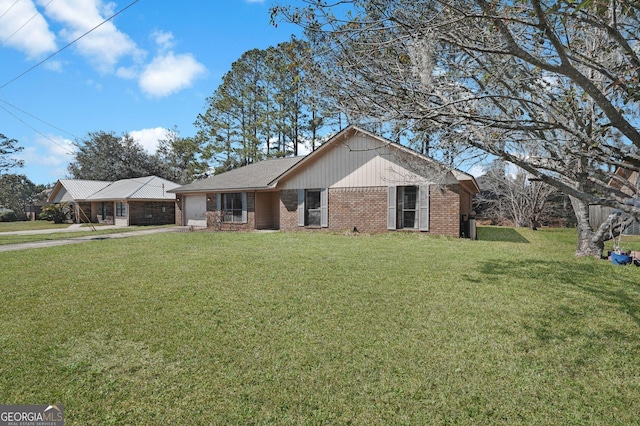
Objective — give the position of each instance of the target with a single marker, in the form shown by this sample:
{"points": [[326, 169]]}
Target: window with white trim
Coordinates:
{"points": [[121, 209], [406, 207], [313, 207], [232, 207], [312, 210]]}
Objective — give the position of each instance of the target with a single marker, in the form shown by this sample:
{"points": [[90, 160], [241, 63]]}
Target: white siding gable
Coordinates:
{"points": [[363, 161]]}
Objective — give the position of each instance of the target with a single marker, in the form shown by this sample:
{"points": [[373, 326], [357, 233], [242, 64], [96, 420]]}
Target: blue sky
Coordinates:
{"points": [[149, 69]]}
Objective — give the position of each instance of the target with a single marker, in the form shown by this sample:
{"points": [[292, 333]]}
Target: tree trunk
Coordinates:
{"points": [[589, 244]]}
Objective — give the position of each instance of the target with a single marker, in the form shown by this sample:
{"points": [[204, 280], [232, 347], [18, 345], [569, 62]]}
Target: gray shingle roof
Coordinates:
{"points": [[253, 176]]}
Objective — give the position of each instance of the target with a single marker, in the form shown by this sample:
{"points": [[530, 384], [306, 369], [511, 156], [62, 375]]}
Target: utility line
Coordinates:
{"points": [[71, 43], [10, 7], [39, 119], [25, 24], [69, 151]]}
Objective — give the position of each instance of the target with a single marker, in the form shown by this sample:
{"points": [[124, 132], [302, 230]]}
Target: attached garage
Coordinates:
{"points": [[195, 210]]}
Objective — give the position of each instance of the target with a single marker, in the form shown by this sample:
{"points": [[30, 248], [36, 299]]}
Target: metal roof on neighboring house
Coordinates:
{"points": [[143, 188], [258, 175], [76, 189]]}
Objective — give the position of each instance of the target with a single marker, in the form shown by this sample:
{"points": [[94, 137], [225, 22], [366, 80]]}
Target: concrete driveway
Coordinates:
{"points": [[76, 240]]}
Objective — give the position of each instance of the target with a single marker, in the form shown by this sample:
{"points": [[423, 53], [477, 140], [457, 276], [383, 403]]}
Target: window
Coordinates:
{"points": [[232, 207], [121, 209], [312, 211], [407, 200], [313, 207]]}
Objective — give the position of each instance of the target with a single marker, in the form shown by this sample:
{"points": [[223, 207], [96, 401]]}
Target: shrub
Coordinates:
{"points": [[7, 215], [58, 213]]}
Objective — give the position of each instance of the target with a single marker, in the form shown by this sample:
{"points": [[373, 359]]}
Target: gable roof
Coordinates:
{"points": [[75, 189], [267, 173], [352, 130], [144, 188], [260, 175]]}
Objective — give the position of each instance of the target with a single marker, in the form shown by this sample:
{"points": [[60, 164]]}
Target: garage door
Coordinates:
{"points": [[195, 210]]}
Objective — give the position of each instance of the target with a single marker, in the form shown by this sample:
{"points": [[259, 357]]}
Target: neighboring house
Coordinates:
{"points": [[137, 201], [598, 214], [356, 180], [33, 210]]}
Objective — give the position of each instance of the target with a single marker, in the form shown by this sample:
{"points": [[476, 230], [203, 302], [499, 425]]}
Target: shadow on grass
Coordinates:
{"points": [[508, 235], [581, 277]]}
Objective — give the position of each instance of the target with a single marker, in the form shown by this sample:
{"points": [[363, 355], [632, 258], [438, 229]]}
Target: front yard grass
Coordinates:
{"points": [[28, 238], [30, 225], [305, 328]]}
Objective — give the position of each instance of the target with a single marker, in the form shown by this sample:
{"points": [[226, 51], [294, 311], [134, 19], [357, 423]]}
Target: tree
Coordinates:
{"points": [[105, 156], [16, 192], [182, 158], [515, 197], [549, 86], [262, 108], [9, 147]]}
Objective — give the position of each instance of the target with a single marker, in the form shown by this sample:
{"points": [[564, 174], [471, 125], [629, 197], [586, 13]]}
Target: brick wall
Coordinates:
{"points": [[289, 210], [363, 208], [80, 216], [444, 210], [151, 213], [178, 212], [366, 209], [213, 215]]}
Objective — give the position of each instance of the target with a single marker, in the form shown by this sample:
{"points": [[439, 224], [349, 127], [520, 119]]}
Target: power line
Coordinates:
{"points": [[39, 119], [10, 7], [69, 151], [25, 24], [71, 43]]}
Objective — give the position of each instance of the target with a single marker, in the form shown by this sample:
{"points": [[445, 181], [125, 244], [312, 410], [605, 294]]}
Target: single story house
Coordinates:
{"points": [[137, 201], [356, 180]]}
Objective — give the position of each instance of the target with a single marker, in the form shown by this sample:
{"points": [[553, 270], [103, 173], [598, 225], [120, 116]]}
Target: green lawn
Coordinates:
{"points": [[305, 328], [30, 225], [20, 238]]}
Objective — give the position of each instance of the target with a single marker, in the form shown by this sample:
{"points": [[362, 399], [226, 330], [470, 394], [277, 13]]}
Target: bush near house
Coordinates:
{"points": [[57, 213], [7, 215]]}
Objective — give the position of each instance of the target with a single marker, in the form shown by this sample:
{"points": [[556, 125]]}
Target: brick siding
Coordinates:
{"points": [[151, 213], [444, 210], [289, 210], [213, 215], [178, 212], [362, 208], [366, 209]]}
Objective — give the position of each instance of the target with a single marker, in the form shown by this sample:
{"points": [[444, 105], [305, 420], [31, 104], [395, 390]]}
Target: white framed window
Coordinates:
{"points": [[312, 211], [407, 200], [121, 209], [408, 207], [313, 207], [233, 207]]}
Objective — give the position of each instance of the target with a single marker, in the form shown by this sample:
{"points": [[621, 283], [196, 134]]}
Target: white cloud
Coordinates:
{"points": [[169, 73], [105, 48], [25, 29], [50, 153], [149, 138], [164, 40], [106, 45], [127, 73]]}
